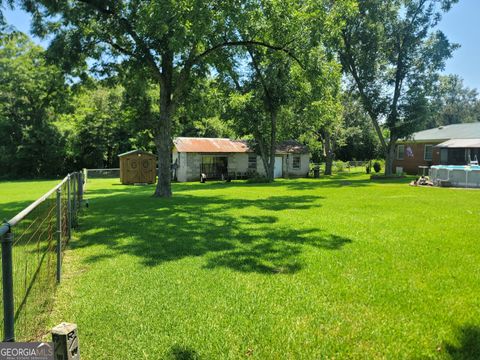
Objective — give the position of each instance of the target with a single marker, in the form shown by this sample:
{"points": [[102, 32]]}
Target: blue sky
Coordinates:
{"points": [[461, 25]]}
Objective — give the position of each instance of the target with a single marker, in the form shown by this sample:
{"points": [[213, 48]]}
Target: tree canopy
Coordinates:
{"points": [[133, 74], [33, 94], [392, 52]]}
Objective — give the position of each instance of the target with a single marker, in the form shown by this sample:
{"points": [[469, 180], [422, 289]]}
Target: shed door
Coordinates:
{"points": [[278, 168], [146, 169], [132, 170]]}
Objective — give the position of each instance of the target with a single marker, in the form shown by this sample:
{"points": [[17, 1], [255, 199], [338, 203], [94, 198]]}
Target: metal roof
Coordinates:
{"points": [[460, 143], [456, 131], [143, 152], [219, 145], [210, 145]]}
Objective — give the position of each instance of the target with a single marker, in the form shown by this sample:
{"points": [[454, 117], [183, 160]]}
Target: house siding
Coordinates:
{"points": [[288, 170], [300, 172], [410, 164], [190, 163]]}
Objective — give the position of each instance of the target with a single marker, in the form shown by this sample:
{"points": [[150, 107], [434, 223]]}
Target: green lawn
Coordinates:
{"points": [[17, 195], [300, 269], [33, 257]]}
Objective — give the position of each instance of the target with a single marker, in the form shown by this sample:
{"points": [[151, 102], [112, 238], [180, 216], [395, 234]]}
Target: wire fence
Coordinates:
{"points": [[340, 167], [33, 244], [102, 173]]}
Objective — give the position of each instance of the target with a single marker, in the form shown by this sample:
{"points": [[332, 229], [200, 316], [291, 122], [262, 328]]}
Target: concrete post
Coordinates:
{"points": [[65, 340]]}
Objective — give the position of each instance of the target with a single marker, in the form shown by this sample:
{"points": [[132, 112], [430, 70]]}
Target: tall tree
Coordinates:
{"points": [[100, 129], [171, 40], [360, 140], [265, 94], [281, 97], [32, 95], [453, 103], [392, 52], [203, 111]]}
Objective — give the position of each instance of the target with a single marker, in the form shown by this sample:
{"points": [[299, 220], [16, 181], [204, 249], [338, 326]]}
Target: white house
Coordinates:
{"points": [[217, 158]]}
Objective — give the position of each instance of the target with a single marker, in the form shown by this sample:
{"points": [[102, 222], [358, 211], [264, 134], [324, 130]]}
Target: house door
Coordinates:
{"points": [[278, 168]]}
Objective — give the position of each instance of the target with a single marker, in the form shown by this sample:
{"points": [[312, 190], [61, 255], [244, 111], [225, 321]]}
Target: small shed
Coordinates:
{"points": [[137, 167]]}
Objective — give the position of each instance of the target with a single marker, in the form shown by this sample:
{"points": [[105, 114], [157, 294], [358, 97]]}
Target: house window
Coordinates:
{"points": [[400, 152], [252, 161], [296, 162], [428, 154]]}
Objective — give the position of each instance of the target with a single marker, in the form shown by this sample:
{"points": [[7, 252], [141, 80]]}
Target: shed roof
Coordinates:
{"points": [[221, 145], [460, 143], [132, 152], [455, 131]]}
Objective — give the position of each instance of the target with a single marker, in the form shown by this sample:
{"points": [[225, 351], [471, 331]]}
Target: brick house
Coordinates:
{"points": [[217, 158], [446, 145]]}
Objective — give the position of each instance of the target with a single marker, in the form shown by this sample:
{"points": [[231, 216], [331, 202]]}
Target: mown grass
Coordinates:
{"points": [[340, 267], [17, 195], [34, 260]]}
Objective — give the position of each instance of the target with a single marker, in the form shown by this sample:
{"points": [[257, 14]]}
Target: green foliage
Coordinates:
{"points": [[360, 140], [281, 96], [32, 95], [339, 166], [265, 71], [203, 113], [100, 132], [393, 52], [453, 103]]}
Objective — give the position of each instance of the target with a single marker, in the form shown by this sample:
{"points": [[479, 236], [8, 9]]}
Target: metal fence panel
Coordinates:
{"points": [[40, 234]]}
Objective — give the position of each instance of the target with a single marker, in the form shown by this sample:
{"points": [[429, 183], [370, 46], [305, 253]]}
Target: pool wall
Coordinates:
{"points": [[458, 176]]}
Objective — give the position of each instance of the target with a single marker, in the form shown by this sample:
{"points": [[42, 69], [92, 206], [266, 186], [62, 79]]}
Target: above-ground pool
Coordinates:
{"points": [[456, 175]]}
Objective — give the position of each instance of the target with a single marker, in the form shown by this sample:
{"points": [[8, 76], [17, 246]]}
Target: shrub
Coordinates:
{"points": [[338, 166], [377, 167]]}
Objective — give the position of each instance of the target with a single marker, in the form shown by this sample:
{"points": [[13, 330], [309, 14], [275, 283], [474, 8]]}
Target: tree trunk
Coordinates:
{"points": [[328, 153], [273, 145], [264, 155], [163, 138], [390, 157]]}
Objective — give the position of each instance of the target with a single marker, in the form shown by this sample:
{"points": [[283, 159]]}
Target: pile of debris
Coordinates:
{"points": [[422, 181]]}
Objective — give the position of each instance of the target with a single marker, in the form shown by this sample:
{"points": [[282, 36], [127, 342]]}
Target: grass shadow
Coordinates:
{"points": [[217, 227], [182, 353], [333, 181], [9, 210], [468, 346]]}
